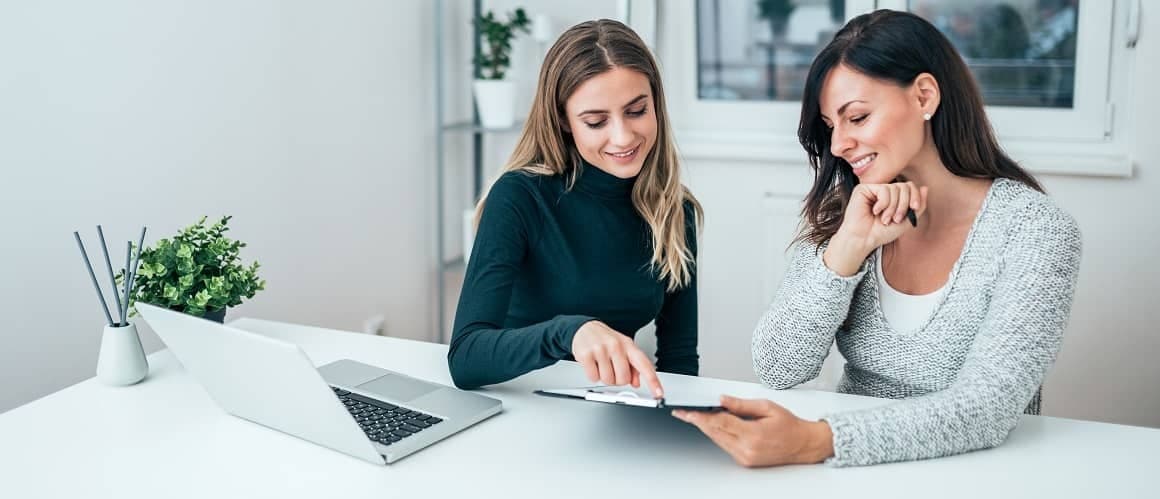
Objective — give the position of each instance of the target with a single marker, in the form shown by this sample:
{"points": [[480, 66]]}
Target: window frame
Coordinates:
{"points": [[1082, 140]]}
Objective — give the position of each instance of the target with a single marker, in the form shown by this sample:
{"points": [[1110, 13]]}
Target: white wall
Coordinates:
{"points": [[1107, 370], [310, 122]]}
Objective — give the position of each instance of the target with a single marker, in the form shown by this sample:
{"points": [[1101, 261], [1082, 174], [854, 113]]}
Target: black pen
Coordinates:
{"points": [[912, 217]]}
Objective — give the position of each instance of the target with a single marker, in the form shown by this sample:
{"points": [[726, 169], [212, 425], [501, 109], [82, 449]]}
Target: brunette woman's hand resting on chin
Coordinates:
{"points": [[875, 216]]}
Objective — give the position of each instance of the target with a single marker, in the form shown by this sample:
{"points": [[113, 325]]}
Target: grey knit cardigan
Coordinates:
{"points": [[968, 374]]}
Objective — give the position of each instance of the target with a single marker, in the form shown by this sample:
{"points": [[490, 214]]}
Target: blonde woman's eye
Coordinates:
{"points": [[595, 125], [638, 112]]}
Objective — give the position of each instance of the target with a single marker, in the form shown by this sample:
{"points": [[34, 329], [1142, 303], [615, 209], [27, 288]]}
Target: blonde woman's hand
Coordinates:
{"points": [[875, 216], [613, 358]]}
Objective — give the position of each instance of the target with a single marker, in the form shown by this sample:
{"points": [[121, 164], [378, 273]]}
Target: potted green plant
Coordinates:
{"points": [[777, 13], [494, 94], [198, 272]]}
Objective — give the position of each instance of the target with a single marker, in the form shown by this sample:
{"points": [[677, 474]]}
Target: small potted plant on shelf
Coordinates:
{"points": [[198, 272], [495, 95], [777, 13]]}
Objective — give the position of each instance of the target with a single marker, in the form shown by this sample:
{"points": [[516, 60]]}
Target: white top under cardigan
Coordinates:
{"points": [[905, 313]]}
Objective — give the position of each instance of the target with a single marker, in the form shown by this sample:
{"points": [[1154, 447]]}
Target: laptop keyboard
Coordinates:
{"points": [[383, 422]]}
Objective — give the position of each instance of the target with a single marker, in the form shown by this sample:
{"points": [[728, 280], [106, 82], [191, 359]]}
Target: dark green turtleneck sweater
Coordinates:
{"points": [[545, 261]]}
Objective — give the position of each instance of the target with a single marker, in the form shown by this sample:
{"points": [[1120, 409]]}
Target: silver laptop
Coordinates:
{"points": [[361, 410]]}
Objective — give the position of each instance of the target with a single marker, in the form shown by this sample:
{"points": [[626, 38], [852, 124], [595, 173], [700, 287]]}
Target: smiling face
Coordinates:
{"points": [[875, 125], [612, 120]]}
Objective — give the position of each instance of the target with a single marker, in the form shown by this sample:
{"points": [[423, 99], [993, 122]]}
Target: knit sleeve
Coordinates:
{"points": [[794, 336], [483, 351], [1017, 343]]}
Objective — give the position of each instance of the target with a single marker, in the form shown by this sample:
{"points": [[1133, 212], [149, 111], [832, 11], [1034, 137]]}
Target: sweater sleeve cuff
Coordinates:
{"points": [[844, 434], [828, 281], [560, 341]]}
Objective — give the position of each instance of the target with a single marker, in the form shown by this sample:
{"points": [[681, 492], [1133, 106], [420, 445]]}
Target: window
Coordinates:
{"points": [[1058, 88], [1022, 52], [760, 50], [735, 70]]}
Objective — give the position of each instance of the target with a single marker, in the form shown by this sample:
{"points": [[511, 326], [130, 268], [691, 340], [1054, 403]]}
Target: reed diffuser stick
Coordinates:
{"points": [[124, 311], [132, 278], [109, 265], [89, 266]]}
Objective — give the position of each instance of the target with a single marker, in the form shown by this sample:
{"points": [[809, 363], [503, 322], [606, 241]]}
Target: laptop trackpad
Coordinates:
{"points": [[400, 388]]}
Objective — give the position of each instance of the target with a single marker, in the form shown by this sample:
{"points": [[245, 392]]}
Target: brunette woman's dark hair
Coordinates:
{"points": [[897, 47]]}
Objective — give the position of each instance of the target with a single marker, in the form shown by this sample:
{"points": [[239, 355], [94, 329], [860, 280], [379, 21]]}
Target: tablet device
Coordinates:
{"points": [[627, 395]]}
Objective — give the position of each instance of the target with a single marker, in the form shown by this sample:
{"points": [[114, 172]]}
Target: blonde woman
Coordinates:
{"points": [[588, 235]]}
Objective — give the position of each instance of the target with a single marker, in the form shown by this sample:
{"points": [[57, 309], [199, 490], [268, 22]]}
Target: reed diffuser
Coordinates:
{"points": [[121, 360]]}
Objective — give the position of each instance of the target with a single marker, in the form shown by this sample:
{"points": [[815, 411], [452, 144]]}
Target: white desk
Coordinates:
{"points": [[165, 438]]}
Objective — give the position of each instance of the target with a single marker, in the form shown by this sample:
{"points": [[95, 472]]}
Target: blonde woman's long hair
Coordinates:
{"points": [[584, 51]]}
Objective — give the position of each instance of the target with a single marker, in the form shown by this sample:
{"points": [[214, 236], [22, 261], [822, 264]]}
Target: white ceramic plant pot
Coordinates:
{"points": [[495, 100], [122, 360]]}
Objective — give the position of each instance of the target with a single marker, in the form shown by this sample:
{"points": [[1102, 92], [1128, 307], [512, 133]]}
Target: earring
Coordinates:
{"points": [[926, 116]]}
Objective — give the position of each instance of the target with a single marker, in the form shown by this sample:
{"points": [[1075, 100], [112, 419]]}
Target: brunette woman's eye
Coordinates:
{"points": [[859, 119]]}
